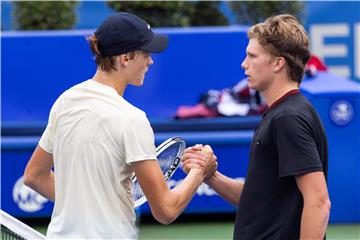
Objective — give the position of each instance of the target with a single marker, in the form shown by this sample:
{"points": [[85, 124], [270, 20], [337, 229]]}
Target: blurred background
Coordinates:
{"points": [[44, 52]]}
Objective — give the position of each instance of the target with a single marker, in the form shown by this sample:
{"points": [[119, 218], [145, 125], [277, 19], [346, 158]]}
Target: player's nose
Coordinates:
{"points": [[151, 61], [244, 64]]}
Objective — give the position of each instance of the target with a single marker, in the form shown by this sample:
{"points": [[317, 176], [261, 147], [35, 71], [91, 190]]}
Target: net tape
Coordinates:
{"points": [[11, 228]]}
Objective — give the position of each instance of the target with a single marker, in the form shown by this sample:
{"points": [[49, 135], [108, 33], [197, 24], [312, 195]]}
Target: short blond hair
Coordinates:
{"points": [[283, 36]]}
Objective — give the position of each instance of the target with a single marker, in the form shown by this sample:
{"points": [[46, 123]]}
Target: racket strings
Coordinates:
{"points": [[168, 160]]}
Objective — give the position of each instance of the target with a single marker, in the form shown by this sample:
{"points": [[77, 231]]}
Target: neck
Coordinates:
{"points": [[112, 79], [278, 89]]}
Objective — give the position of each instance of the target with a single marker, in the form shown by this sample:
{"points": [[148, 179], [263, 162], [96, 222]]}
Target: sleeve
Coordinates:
{"points": [[138, 140], [46, 140], [297, 149]]}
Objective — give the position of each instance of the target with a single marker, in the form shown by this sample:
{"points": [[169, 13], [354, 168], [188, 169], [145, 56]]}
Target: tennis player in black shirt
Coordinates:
{"points": [[285, 193]]}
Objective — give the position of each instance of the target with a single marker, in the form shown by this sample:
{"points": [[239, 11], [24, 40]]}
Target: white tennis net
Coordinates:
{"points": [[11, 228]]}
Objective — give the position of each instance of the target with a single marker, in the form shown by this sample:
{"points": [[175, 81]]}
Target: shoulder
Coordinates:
{"points": [[295, 114], [127, 115], [72, 90], [296, 106], [67, 94], [131, 112]]}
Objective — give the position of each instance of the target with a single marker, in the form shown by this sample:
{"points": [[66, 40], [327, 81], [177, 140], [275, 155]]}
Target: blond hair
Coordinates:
{"points": [[283, 36]]}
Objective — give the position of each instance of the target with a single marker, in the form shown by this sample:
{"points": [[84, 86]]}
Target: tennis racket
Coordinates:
{"points": [[168, 155]]}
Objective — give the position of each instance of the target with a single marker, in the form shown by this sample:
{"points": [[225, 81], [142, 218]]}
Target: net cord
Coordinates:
{"points": [[18, 227]]}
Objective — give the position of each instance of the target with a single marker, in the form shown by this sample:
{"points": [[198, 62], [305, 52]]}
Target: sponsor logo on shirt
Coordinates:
{"points": [[27, 199], [341, 112]]}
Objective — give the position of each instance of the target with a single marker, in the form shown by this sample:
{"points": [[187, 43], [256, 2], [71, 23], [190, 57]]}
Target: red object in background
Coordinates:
{"points": [[314, 65], [239, 100], [315, 61], [197, 111]]}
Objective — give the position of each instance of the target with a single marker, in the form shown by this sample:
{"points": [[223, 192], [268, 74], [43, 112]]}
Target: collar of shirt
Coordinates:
{"points": [[281, 99]]}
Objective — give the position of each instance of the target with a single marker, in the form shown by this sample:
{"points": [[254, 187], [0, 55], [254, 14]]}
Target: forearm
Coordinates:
{"points": [[165, 204], [314, 221], [44, 185], [180, 196], [228, 188]]}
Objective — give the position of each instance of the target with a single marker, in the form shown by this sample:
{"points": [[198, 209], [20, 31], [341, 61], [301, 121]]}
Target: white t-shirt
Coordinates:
{"points": [[94, 134]]}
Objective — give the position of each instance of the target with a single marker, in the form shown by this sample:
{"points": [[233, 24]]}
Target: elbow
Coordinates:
{"points": [[327, 206], [29, 179], [164, 215], [323, 205], [319, 203], [235, 201], [164, 220], [325, 209]]}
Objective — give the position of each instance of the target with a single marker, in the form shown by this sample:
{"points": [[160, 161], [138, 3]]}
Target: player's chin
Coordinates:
{"points": [[138, 83], [252, 85]]}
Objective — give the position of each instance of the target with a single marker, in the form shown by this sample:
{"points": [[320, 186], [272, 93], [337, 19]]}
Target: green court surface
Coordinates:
{"points": [[223, 230]]}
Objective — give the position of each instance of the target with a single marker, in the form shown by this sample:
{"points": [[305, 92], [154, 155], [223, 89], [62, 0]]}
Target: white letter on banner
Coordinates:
{"points": [[318, 32], [357, 50]]}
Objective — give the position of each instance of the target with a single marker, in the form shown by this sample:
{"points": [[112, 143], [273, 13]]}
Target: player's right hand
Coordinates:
{"points": [[193, 157], [211, 161], [200, 157]]}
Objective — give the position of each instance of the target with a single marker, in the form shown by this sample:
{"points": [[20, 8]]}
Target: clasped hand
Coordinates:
{"points": [[199, 157]]}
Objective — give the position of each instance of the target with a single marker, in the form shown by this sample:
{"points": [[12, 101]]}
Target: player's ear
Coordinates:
{"points": [[279, 63], [124, 59]]}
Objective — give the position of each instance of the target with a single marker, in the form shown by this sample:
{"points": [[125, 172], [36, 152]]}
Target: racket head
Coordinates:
{"points": [[168, 155]]}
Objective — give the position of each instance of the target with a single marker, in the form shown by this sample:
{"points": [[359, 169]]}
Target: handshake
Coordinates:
{"points": [[201, 159]]}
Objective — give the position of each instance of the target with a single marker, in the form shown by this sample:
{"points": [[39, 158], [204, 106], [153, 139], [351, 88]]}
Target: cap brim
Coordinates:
{"points": [[158, 44]]}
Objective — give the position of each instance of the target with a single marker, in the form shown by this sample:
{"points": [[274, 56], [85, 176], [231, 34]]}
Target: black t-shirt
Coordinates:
{"points": [[289, 141]]}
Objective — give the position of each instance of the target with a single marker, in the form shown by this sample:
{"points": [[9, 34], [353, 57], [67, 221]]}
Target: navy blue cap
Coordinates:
{"points": [[124, 32]]}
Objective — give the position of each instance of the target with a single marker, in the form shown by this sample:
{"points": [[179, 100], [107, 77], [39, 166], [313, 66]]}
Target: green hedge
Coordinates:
{"points": [[44, 15], [173, 13], [252, 12]]}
